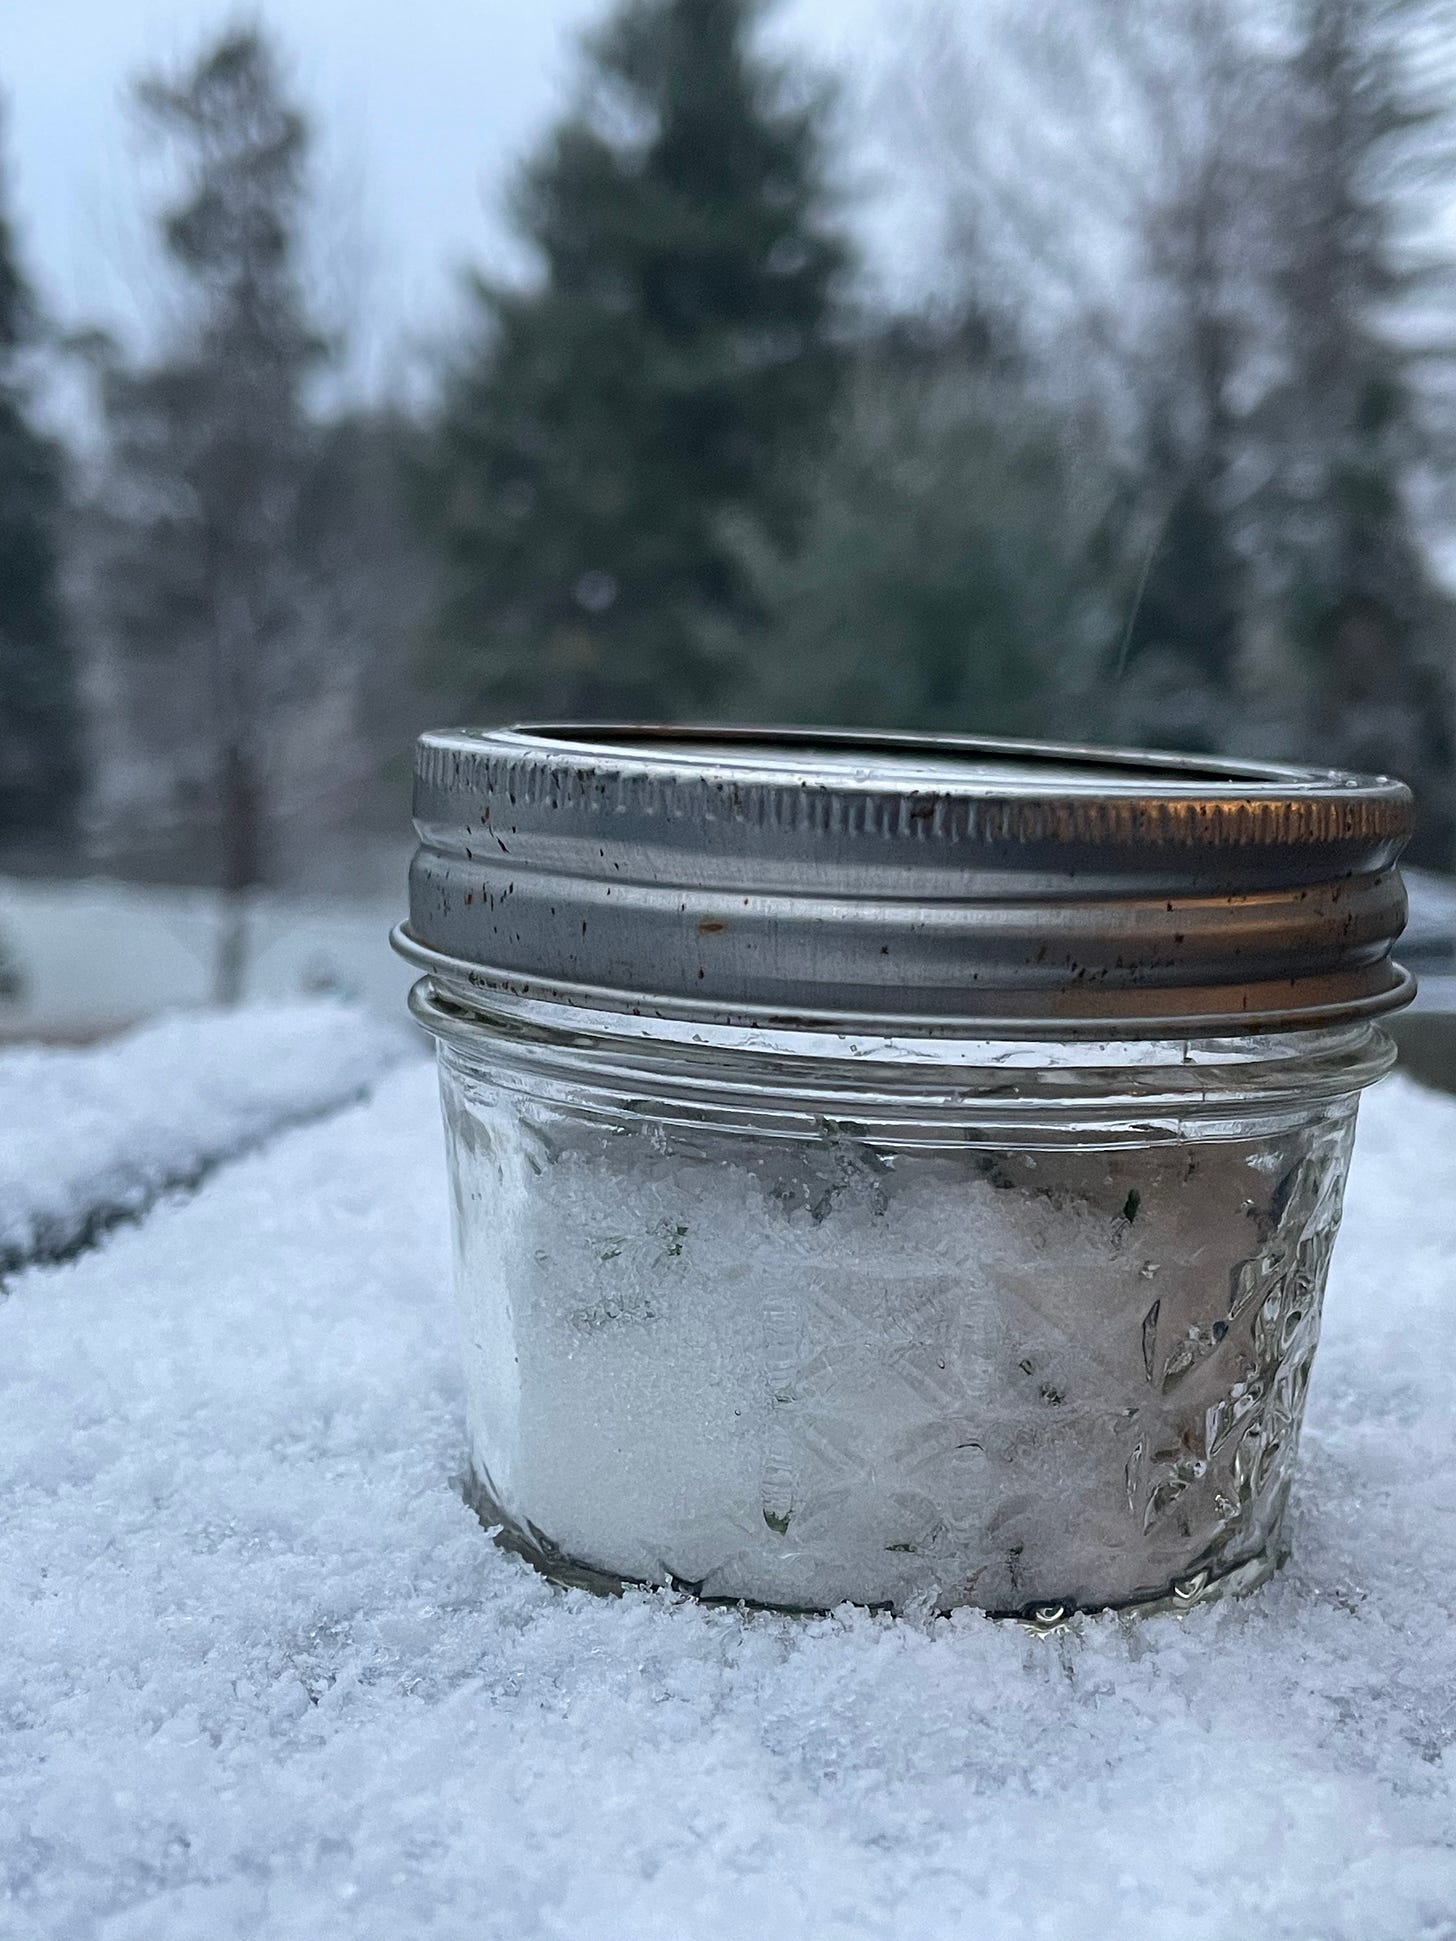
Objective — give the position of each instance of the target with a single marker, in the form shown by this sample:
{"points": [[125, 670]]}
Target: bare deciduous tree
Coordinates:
{"points": [[1103, 169], [208, 572], [1352, 422], [1216, 218]]}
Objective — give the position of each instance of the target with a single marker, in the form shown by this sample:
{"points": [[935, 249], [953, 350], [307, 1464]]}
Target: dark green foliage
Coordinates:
{"points": [[622, 432], [944, 580], [1355, 592], [39, 764], [1189, 608]]}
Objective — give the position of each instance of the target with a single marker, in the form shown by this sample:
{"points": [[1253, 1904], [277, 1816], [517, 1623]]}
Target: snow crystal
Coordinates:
{"points": [[264, 1675], [805, 1372], [87, 1137]]}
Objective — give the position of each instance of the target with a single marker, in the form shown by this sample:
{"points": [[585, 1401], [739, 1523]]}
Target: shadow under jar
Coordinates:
{"points": [[894, 1170]]}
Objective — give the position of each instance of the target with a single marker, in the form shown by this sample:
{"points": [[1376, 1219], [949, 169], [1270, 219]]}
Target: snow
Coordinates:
{"points": [[80, 957], [761, 1367], [88, 1137], [264, 1676]]}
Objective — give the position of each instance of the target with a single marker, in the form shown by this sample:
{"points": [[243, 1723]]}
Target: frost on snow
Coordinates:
{"points": [[263, 1675], [88, 1137]]}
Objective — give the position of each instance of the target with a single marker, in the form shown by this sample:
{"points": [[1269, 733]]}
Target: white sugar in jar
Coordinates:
{"points": [[858, 1192]]}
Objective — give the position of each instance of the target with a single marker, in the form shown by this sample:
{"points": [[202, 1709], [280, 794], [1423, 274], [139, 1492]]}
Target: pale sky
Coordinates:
{"points": [[420, 107]]}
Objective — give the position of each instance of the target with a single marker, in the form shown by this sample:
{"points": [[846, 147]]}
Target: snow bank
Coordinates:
{"points": [[89, 1137], [263, 1675]]}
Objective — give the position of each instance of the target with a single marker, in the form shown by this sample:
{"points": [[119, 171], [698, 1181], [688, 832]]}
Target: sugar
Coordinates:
{"points": [[800, 1373]]}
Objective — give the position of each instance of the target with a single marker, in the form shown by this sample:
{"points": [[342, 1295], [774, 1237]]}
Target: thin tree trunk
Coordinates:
{"points": [[231, 964], [240, 799]]}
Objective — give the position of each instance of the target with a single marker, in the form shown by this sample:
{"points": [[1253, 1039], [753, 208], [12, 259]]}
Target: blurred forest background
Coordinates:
{"points": [[1164, 457]]}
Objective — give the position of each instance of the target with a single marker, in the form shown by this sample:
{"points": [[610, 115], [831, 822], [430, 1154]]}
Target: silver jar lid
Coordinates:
{"points": [[900, 882]]}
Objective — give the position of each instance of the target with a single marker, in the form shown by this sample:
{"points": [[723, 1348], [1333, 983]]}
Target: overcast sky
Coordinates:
{"points": [[421, 107]]}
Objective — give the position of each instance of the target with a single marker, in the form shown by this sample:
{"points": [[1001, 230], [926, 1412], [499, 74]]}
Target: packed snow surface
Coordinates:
{"points": [[87, 1137], [263, 1675]]}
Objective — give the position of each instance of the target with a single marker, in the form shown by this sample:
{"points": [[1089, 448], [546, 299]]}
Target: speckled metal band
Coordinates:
{"points": [[796, 877]]}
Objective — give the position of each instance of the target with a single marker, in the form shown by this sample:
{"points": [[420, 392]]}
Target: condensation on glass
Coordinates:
{"points": [[920, 1190]]}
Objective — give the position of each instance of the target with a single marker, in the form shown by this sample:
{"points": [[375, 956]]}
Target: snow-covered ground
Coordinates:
{"points": [[90, 1137], [86, 957], [262, 1675]]}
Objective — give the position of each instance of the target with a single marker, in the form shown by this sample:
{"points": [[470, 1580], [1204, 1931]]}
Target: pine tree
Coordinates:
{"points": [[1365, 129], [211, 460], [624, 430], [943, 583], [39, 759]]}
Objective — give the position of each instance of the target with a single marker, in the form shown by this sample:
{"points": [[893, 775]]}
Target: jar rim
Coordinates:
{"points": [[900, 1091], [799, 874]]}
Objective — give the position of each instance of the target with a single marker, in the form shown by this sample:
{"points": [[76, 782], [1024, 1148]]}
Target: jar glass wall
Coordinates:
{"points": [[798, 1318]]}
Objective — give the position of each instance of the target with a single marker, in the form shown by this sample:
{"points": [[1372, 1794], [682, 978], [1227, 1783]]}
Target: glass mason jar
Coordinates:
{"points": [[863, 1190]]}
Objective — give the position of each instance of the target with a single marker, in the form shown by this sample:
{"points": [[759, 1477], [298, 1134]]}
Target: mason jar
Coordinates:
{"points": [[894, 1170]]}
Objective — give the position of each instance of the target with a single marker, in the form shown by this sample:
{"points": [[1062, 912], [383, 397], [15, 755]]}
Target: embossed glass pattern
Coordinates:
{"points": [[799, 1319], [893, 1168]]}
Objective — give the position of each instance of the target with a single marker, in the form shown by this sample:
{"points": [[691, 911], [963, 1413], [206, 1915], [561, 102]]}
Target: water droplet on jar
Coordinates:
{"points": [[1046, 1617]]}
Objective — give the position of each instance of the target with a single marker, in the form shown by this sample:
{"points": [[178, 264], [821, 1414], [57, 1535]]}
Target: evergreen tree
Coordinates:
{"points": [[1200, 231], [39, 764], [627, 428], [207, 573], [944, 581], [1365, 129]]}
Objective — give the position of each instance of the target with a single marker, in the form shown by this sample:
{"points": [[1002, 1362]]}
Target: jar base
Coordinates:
{"points": [[1187, 1593]]}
